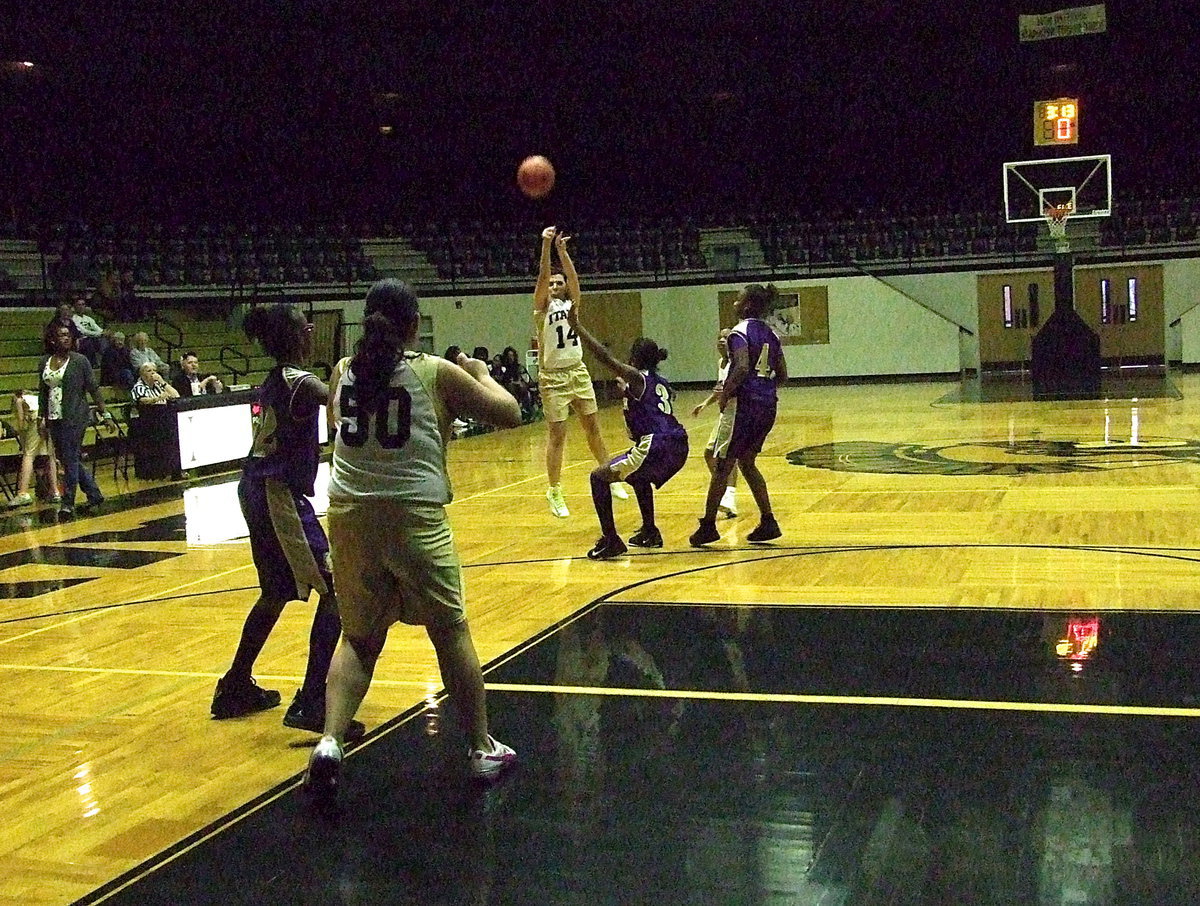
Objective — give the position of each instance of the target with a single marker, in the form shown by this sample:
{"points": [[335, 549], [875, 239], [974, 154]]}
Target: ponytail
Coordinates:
{"points": [[274, 328], [759, 299], [646, 354], [390, 322]]}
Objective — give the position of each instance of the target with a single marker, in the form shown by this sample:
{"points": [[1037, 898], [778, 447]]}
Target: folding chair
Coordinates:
{"points": [[10, 466], [112, 440]]}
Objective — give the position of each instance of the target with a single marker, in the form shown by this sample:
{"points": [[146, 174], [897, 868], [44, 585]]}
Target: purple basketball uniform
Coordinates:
{"points": [[288, 544], [757, 396], [660, 446], [285, 445]]}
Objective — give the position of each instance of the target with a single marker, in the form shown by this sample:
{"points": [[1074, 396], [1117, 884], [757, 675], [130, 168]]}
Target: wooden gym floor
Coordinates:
{"points": [[963, 675]]}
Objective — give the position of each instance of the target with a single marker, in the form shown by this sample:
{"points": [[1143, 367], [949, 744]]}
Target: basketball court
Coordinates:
{"points": [[975, 635], [964, 674]]}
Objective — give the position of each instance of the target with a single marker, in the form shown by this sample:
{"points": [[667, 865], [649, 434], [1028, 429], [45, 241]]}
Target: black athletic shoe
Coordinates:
{"points": [[705, 534], [647, 537], [305, 715], [767, 530], [237, 699], [606, 548]]}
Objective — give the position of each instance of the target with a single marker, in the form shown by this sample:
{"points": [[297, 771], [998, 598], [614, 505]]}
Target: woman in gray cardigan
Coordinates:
{"points": [[65, 380]]}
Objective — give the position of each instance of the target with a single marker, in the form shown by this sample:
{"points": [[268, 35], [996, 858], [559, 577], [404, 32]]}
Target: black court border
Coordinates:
{"points": [[219, 825], [226, 821]]}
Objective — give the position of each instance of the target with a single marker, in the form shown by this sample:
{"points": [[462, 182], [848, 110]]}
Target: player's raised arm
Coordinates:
{"points": [[568, 267], [625, 372], [541, 290], [310, 392]]}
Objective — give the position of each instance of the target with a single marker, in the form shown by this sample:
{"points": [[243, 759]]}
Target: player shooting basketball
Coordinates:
{"points": [[562, 377]]}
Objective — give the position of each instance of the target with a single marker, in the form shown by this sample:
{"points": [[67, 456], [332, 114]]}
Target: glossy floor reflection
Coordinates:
{"points": [[762, 756], [1115, 384]]}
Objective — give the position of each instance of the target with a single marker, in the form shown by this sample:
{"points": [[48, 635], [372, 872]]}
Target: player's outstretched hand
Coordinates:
{"points": [[560, 241], [474, 367], [549, 232]]}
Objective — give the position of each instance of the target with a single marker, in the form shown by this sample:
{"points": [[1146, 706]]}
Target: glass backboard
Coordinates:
{"points": [[1030, 186]]}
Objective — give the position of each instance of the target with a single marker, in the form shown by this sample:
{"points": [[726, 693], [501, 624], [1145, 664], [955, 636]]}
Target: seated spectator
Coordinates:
{"points": [[481, 353], [451, 354], [513, 377], [107, 291], [140, 353], [151, 388], [187, 380], [116, 366], [65, 315], [91, 340], [34, 443], [130, 306]]}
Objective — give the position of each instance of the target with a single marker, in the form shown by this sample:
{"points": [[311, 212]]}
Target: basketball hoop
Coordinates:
{"points": [[1056, 222]]}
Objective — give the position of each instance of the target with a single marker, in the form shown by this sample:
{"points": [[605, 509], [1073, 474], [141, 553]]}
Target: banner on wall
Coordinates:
{"points": [[1064, 23]]}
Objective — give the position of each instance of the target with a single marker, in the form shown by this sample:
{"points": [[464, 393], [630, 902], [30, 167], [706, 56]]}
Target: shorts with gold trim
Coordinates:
{"points": [[290, 550], [395, 563], [560, 388], [654, 459]]}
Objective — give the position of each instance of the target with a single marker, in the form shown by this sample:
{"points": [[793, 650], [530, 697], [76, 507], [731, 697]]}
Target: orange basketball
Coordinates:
{"points": [[535, 176]]}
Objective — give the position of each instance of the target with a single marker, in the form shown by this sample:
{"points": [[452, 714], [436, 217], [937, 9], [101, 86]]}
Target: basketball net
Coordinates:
{"points": [[1056, 221]]}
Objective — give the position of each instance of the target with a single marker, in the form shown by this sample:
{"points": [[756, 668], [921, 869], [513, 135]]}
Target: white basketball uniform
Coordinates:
{"points": [[559, 347], [393, 549], [563, 379], [397, 448], [722, 432]]}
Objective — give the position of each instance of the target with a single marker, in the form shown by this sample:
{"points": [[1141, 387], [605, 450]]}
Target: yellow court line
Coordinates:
{"points": [[965, 704], [956, 608], [803, 492], [96, 613]]}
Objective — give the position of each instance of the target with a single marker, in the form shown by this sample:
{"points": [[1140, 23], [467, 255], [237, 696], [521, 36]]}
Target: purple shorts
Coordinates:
{"points": [[289, 547], [654, 459], [751, 425]]}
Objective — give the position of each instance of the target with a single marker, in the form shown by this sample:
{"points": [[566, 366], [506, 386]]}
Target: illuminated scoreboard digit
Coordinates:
{"points": [[1056, 122]]}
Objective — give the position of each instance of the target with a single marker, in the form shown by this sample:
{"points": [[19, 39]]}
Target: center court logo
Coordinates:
{"points": [[1022, 457]]}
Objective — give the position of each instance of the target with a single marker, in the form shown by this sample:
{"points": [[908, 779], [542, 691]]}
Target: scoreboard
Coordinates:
{"points": [[1056, 122]]}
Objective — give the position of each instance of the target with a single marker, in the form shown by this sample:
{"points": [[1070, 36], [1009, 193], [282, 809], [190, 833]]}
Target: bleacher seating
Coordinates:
{"points": [[203, 255], [499, 249], [174, 258]]}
